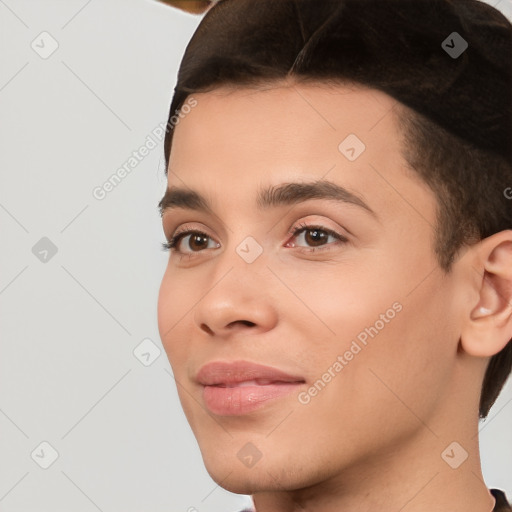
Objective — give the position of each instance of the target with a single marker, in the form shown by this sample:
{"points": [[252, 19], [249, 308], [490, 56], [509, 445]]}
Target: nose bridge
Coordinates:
{"points": [[242, 269], [249, 258], [245, 249]]}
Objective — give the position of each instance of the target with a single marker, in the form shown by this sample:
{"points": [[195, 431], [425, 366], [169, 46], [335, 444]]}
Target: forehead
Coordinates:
{"points": [[235, 140], [289, 120]]}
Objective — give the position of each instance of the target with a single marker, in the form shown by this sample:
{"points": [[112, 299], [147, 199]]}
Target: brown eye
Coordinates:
{"points": [[315, 236], [197, 241]]}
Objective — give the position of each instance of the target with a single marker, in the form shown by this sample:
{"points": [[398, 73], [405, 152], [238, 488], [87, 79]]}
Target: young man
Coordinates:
{"points": [[337, 305]]}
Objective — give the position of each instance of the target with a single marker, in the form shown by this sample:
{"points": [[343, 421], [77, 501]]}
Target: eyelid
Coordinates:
{"points": [[305, 226], [184, 228], [182, 232]]}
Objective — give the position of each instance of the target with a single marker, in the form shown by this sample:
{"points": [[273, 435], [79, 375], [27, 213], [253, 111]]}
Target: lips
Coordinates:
{"points": [[241, 387], [245, 383], [231, 374]]}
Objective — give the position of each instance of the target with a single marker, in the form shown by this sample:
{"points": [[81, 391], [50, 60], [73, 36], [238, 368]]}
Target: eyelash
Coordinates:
{"points": [[176, 239]]}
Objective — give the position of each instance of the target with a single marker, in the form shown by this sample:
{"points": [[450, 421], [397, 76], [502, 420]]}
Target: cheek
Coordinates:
{"points": [[171, 300], [385, 318], [164, 309], [337, 302], [407, 364]]}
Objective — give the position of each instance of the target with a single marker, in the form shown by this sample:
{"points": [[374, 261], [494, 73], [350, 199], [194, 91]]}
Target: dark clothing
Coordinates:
{"points": [[502, 505]]}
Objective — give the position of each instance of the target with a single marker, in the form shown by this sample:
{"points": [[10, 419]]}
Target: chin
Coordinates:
{"points": [[266, 475], [238, 480]]}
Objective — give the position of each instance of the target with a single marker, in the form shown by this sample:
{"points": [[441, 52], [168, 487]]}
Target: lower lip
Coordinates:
{"points": [[244, 399]]}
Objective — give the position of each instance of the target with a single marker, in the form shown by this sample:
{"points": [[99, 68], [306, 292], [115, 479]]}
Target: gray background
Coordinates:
{"points": [[70, 321]]}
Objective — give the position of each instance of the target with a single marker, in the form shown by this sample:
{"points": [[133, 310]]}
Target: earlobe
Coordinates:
{"points": [[488, 328]]}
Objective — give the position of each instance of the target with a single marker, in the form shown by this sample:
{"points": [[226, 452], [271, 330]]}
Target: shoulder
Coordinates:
{"points": [[502, 504]]}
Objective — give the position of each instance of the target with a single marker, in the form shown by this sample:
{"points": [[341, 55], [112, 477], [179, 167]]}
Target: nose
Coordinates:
{"points": [[241, 301]]}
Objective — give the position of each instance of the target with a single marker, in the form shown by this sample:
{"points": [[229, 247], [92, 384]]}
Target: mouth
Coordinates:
{"points": [[240, 387], [247, 383]]}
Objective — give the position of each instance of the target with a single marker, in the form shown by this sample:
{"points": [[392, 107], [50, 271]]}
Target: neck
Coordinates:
{"points": [[416, 476]]}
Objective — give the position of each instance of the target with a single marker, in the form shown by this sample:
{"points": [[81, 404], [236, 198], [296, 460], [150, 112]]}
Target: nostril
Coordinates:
{"points": [[245, 322], [206, 328]]}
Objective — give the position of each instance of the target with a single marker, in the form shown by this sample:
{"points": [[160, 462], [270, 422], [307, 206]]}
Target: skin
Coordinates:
{"points": [[193, 6], [372, 438]]}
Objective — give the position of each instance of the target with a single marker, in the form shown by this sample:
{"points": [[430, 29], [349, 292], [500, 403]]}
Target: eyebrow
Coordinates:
{"points": [[270, 197]]}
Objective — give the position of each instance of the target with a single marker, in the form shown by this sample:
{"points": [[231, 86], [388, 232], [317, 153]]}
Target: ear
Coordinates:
{"points": [[489, 326], [193, 6]]}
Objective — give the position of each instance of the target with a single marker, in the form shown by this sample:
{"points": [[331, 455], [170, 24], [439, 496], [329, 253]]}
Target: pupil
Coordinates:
{"points": [[196, 238], [319, 235]]}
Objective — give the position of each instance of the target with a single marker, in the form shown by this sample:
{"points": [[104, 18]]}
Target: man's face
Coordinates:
{"points": [[368, 321]]}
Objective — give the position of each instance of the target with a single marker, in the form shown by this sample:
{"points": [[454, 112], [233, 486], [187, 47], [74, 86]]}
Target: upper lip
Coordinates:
{"points": [[233, 372]]}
